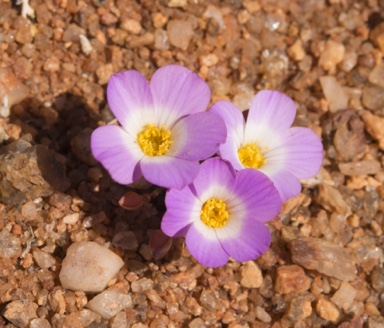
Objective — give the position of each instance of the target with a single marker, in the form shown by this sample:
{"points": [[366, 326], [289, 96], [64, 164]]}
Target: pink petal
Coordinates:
{"points": [[129, 97], [169, 172], [183, 208], [197, 136], [270, 111], [177, 92], [216, 178], [117, 152], [203, 244]]}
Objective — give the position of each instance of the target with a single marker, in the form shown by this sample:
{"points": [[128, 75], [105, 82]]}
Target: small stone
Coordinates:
{"points": [[291, 278], [142, 285], [159, 20], [299, 308], [349, 62], [29, 172], [72, 33], [43, 259], [344, 296], [332, 200], [10, 245], [71, 218], [131, 26], [360, 168], [332, 55], [376, 76], [57, 301], [21, 312], [180, 33], [327, 310], [40, 323], [197, 323], [177, 3], [336, 97], [109, 303], [377, 279], [296, 51], [104, 72], [373, 96], [142, 40], [262, 315], [24, 34], [209, 300], [85, 44], [323, 256], [125, 240], [12, 88], [377, 36], [161, 39], [375, 126], [52, 64], [208, 60], [251, 276], [89, 267]]}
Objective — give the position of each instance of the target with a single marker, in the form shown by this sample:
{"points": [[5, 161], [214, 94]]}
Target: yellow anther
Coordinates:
{"points": [[154, 141], [214, 213], [251, 156]]}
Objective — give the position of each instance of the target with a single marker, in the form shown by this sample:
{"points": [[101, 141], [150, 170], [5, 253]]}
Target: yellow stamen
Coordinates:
{"points": [[154, 141], [251, 156], [214, 213]]}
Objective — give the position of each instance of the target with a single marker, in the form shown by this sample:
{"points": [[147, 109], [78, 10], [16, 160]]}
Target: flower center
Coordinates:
{"points": [[214, 213], [154, 141], [251, 156]]}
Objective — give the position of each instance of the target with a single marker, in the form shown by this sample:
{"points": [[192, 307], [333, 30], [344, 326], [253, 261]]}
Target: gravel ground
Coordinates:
{"points": [[325, 264]]}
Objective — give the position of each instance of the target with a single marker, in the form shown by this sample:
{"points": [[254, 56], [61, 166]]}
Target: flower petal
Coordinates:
{"points": [[301, 153], [270, 111], [204, 245], [254, 240], [177, 92], [233, 118], [183, 208], [169, 172], [129, 96], [197, 136], [286, 183], [118, 153], [229, 152], [216, 178], [254, 197]]}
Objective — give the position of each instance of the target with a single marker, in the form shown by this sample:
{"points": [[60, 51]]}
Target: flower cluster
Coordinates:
{"points": [[222, 204]]}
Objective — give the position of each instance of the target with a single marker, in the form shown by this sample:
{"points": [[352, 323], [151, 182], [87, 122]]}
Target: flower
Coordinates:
{"points": [[222, 213], [266, 142], [164, 130]]}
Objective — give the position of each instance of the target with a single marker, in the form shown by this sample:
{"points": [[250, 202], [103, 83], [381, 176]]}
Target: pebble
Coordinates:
{"points": [[104, 72], [108, 303], [29, 172], [10, 245], [377, 279], [177, 3], [180, 33], [300, 308], [336, 97], [43, 259], [360, 168], [71, 218], [375, 126], [131, 26], [373, 96], [344, 296], [251, 275], [331, 199], [296, 51], [376, 76], [89, 267], [291, 278], [323, 256], [327, 310], [332, 55], [262, 315], [21, 312], [40, 323], [142, 285], [125, 240], [12, 88]]}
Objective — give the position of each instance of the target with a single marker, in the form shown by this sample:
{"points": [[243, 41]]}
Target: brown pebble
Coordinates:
{"points": [[291, 278]]}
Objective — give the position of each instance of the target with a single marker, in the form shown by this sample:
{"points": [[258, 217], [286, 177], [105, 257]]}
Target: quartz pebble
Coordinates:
{"points": [[10, 245], [12, 88], [327, 310], [291, 278], [344, 296], [109, 303], [180, 33], [43, 259], [332, 55], [251, 276], [21, 312], [360, 168], [336, 97], [331, 199], [89, 267], [323, 256], [375, 126]]}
